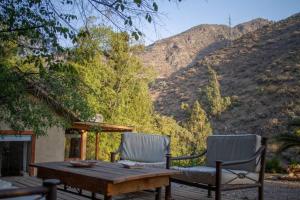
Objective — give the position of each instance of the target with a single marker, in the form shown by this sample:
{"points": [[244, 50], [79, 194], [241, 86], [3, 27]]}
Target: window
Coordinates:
{"points": [[72, 145], [17, 149]]}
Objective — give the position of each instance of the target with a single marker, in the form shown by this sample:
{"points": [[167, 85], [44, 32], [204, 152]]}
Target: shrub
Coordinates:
{"points": [[199, 125], [295, 121], [181, 138], [273, 166], [288, 141], [183, 141], [211, 95]]}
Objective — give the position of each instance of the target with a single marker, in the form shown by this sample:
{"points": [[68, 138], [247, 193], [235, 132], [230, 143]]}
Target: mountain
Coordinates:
{"points": [[260, 71], [171, 54]]}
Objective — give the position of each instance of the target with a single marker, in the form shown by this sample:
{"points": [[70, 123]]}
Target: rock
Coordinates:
{"points": [[172, 54]]}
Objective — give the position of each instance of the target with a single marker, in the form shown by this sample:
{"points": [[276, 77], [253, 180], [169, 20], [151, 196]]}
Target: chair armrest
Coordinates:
{"points": [[170, 158], [238, 162], [188, 157], [113, 156]]}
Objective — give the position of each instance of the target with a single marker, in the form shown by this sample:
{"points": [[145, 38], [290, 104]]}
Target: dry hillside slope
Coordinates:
{"points": [[261, 70], [171, 54]]}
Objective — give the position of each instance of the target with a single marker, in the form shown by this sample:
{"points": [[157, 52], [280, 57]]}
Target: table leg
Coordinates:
{"points": [[107, 197], [158, 194], [209, 192], [168, 192]]}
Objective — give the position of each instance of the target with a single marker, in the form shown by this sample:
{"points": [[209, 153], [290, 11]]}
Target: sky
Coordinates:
{"points": [[178, 17]]}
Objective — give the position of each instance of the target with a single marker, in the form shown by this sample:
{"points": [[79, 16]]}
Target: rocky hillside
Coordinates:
{"points": [[171, 54], [260, 71]]}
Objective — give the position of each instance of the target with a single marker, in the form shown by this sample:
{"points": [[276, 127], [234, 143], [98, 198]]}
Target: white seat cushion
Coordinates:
{"points": [[207, 175], [154, 164]]}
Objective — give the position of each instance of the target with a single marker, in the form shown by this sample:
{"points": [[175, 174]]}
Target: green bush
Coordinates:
{"points": [[235, 101], [211, 95], [273, 166], [294, 163], [200, 127], [295, 121], [181, 138], [297, 132]]}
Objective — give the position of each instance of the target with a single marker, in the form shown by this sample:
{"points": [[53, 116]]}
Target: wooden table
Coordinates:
{"points": [[109, 179]]}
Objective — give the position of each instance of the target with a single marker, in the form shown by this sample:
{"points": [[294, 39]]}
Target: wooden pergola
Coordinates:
{"points": [[84, 127]]}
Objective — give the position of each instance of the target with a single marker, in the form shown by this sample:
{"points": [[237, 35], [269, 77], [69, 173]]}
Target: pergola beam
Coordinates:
{"points": [[84, 127], [104, 127]]}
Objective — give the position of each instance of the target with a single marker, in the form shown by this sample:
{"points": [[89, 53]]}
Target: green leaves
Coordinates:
{"points": [[98, 75], [122, 7], [288, 141], [42, 22], [211, 95], [18, 109], [148, 17], [128, 21], [155, 6], [136, 34], [137, 2], [199, 125], [119, 81]]}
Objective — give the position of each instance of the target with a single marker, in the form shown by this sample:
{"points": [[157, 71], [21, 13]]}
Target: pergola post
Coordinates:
{"points": [[97, 146], [83, 144], [84, 127]]}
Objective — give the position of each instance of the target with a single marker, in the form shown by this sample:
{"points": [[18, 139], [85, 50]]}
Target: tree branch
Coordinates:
{"points": [[21, 29]]}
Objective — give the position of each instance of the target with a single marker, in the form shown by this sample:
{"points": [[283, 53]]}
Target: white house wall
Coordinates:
{"points": [[50, 147]]}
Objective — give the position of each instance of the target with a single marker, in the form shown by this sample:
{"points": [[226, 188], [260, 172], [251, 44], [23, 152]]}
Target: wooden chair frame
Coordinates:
{"points": [[48, 189], [219, 187]]}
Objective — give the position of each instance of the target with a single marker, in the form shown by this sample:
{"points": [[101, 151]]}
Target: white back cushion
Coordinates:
{"points": [[233, 147], [144, 147]]}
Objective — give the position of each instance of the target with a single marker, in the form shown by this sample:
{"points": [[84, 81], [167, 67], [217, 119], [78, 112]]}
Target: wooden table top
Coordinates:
{"points": [[106, 171]]}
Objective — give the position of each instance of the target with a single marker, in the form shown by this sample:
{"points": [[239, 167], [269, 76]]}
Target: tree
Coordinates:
{"points": [[211, 95], [119, 81], [30, 95], [37, 23], [199, 125], [288, 141], [181, 138], [292, 139], [32, 58], [120, 84]]}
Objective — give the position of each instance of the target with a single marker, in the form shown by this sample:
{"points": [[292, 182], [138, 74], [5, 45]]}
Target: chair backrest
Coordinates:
{"points": [[233, 147], [144, 147]]}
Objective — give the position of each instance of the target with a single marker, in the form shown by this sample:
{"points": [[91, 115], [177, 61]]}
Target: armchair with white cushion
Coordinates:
{"points": [[232, 162], [143, 149]]}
